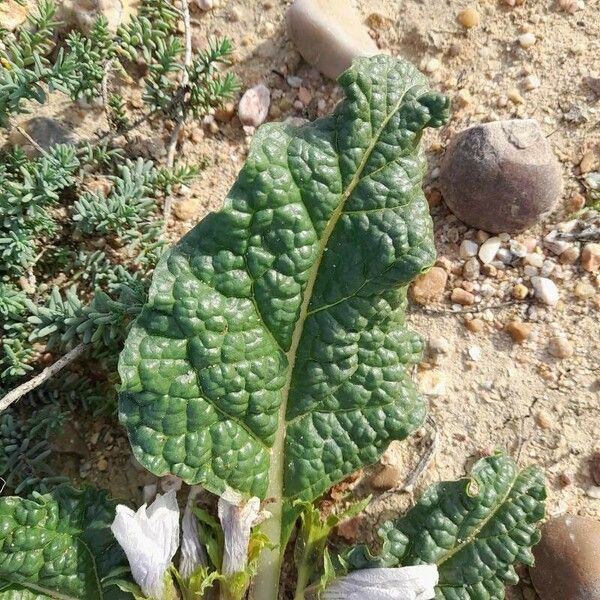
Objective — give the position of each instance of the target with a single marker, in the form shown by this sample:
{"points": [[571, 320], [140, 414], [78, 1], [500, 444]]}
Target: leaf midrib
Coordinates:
{"points": [[276, 470]]}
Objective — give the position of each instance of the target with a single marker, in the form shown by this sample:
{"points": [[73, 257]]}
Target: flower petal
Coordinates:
{"points": [[237, 517], [193, 554], [405, 583], [150, 538]]}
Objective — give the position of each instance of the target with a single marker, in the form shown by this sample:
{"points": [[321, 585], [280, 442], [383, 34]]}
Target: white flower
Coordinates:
{"points": [[193, 554], [150, 538], [405, 583], [237, 517]]}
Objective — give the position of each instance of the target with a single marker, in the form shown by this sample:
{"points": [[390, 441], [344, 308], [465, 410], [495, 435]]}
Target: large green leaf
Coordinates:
{"points": [[58, 545], [271, 356], [474, 530]]}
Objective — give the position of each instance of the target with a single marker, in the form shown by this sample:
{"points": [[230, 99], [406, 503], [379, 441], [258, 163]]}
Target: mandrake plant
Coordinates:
{"points": [[268, 363]]}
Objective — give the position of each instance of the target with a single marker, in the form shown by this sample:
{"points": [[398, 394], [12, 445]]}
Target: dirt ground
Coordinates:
{"points": [[485, 392]]}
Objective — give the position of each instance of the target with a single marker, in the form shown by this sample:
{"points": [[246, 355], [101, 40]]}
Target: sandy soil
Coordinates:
{"points": [[492, 392]]}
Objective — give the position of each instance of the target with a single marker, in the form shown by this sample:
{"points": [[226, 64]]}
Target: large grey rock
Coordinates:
{"points": [[567, 560], [44, 131], [501, 176], [328, 34]]}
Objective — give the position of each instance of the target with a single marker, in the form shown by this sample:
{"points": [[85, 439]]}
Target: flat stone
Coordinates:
{"points": [[460, 296], [44, 131], [430, 286], [489, 249], [254, 105], [501, 176], [590, 257], [328, 34], [567, 560]]}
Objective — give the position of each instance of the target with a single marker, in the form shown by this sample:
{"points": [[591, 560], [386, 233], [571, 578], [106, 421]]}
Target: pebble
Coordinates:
{"points": [[475, 325], [569, 256], [553, 242], [387, 478], [546, 290], [471, 269], [518, 249], [572, 6], [535, 260], [587, 162], [504, 255], [584, 290], [430, 286], [204, 5], [593, 492], [519, 331], [461, 296], [82, 14], [474, 353], [519, 291], [489, 249], [432, 383], [186, 209], [567, 559], [225, 113], [531, 82], [469, 17], [438, 345], [501, 176], [590, 257], [527, 40], [560, 347], [254, 105], [544, 420], [102, 465], [328, 34], [468, 249]]}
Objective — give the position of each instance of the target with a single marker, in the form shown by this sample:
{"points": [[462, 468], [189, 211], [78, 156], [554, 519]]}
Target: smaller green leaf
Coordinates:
{"points": [[58, 545], [474, 530], [211, 536]]}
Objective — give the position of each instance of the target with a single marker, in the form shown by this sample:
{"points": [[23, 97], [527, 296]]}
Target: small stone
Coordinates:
{"points": [[590, 257], [474, 353], [587, 162], [204, 5], [569, 255], [519, 331], [43, 130], [438, 345], [526, 40], [544, 420], [102, 465], [575, 202], [514, 96], [328, 34], [593, 492], [432, 65], [560, 347], [430, 286], [519, 291], [475, 325], [567, 560], [518, 249], [471, 269], [463, 98], [489, 249], [460, 296], [565, 479], [387, 478], [553, 242], [468, 249], [595, 467], [531, 82], [501, 176], [535, 260], [225, 113], [584, 290], [432, 383], [186, 209], [469, 17], [546, 290], [254, 105], [504, 255], [82, 14], [434, 197], [572, 6]]}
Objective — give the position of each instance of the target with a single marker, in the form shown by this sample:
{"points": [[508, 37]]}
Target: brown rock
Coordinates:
{"points": [[519, 331], [12, 14], [543, 420], [469, 17], [225, 113], [475, 325], [590, 257], [349, 529], [588, 160], [519, 291], [430, 286], [387, 478], [186, 209], [569, 256], [328, 34], [567, 560], [575, 202], [463, 297], [595, 467], [501, 176]]}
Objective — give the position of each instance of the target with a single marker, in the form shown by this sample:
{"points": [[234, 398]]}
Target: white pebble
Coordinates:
{"points": [[468, 249], [547, 268], [530, 271], [535, 260], [254, 105], [546, 290], [531, 82], [593, 492], [295, 81], [518, 249], [526, 40], [474, 353], [554, 243], [504, 255], [204, 4], [489, 249]]}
